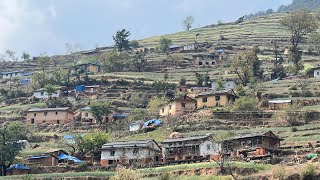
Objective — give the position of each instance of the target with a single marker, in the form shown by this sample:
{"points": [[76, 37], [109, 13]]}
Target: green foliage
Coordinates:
{"points": [[10, 133], [136, 115], [50, 89], [240, 90], [114, 62], [309, 172], [39, 80], [247, 66], [91, 142], [279, 173], [294, 129], [245, 103], [134, 44], [121, 40], [299, 23], [58, 102], [163, 86], [139, 100], [100, 110], [155, 104], [182, 81], [139, 61], [26, 57], [164, 44], [289, 116]]}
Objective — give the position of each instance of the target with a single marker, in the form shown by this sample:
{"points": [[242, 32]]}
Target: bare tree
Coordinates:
{"points": [[187, 22]]}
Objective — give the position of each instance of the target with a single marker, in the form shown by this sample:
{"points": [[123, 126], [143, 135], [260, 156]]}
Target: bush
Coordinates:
{"points": [[309, 173], [294, 129], [293, 88], [307, 94], [309, 116], [164, 176], [245, 103]]}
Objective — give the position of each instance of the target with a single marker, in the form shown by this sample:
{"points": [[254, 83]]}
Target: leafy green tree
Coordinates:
{"points": [[187, 22], [58, 102], [155, 104], [50, 89], [39, 80], [10, 134], [91, 142], [163, 86], [121, 40], [245, 103], [100, 110], [199, 79], [164, 44], [139, 61], [139, 100], [247, 66], [299, 23], [26, 57], [114, 62]]}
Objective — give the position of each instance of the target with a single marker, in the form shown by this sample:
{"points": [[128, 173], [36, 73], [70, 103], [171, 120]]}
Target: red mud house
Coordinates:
{"points": [[188, 149], [252, 145], [130, 152], [61, 115]]}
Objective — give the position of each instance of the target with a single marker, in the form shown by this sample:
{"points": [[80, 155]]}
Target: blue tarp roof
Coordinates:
{"points": [[18, 167], [71, 158], [152, 121], [220, 51], [69, 136]]}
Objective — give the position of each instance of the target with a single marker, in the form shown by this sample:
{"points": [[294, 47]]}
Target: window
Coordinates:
{"points": [[56, 113], [112, 152], [58, 121], [205, 100], [213, 62], [207, 63], [87, 114], [45, 113], [208, 147], [200, 63], [318, 73], [32, 121], [169, 106], [42, 93], [149, 152], [183, 105], [35, 114], [217, 98]]}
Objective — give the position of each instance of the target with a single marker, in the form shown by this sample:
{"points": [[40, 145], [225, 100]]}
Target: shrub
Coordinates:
{"points": [[309, 116], [244, 103], [293, 88], [309, 173], [128, 174], [164, 176], [307, 94], [294, 129]]}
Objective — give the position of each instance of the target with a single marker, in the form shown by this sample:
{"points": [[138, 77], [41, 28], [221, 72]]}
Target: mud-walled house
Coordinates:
{"points": [[195, 148], [252, 145], [62, 115], [130, 153], [180, 106]]}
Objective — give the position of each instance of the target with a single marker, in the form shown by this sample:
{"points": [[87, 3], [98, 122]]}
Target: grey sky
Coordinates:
{"points": [[45, 26]]}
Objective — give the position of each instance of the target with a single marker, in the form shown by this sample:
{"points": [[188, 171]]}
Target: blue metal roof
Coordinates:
{"points": [[120, 115], [38, 157], [152, 121], [220, 51], [17, 167], [71, 158]]}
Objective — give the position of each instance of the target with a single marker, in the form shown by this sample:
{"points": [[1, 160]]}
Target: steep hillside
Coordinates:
{"points": [[300, 4]]}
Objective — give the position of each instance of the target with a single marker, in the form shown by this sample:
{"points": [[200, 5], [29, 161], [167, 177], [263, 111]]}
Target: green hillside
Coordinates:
{"points": [[300, 4]]}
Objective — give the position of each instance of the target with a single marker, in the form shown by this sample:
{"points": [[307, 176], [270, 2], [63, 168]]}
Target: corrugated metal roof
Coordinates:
{"points": [[48, 109], [129, 144], [254, 134], [187, 139], [280, 101]]}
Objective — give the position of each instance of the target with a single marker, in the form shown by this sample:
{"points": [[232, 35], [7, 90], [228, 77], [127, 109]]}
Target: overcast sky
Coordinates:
{"points": [[46, 25]]}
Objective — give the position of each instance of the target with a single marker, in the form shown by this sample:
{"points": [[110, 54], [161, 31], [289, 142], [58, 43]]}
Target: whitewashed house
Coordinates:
{"points": [[130, 152], [135, 126], [316, 72], [12, 74], [42, 94], [227, 84]]}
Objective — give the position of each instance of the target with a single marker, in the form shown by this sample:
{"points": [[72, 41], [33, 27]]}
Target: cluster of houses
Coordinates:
{"points": [[190, 149]]}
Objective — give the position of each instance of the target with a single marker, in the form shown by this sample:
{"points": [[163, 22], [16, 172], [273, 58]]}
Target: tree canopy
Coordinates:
{"points": [[121, 40], [100, 110], [10, 134], [164, 44], [187, 22]]}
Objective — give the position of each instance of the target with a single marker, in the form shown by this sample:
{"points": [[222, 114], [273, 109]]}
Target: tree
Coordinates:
{"points": [[58, 102], [10, 134], [38, 80], [26, 57], [139, 61], [114, 61], [43, 61], [50, 89], [187, 22], [155, 104], [244, 103], [199, 79], [164, 44], [100, 110], [12, 55], [247, 66], [134, 44], [315, 41], [299, 23], [182, 81], [121, 40]]}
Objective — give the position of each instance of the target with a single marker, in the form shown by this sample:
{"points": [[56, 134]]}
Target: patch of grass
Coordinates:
{"points": [[65, 175]]}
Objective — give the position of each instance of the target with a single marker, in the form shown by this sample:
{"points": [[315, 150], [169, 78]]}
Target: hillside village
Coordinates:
{"points": [[233, 101]]}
